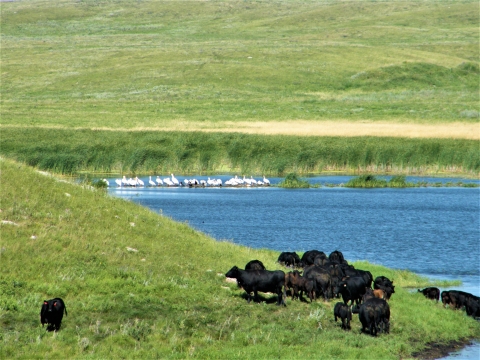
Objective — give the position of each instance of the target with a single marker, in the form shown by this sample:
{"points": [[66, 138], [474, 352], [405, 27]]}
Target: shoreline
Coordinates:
{"points": [[441, 350]]}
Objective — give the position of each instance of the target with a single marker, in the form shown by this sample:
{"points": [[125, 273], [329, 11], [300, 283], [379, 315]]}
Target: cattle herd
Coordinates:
{"points": [[328, 277], [331, 277]]}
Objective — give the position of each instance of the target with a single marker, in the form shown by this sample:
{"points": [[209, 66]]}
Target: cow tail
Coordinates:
{"points": [[65, 309]]}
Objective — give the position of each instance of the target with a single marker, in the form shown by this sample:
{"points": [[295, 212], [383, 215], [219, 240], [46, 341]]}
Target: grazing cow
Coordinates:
{"points": [[299, 284], [259, 280], [385, 284], [343, 312], [289, 259], [309, 257], [255, 265], [431, 293], [460, 299], [472, 306], [374, 314], [352, 289], [365, 274], [322, 280], [52, 313], [457, 298]]}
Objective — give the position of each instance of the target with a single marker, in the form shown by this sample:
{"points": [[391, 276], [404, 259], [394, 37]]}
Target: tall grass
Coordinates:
{"points": [[72, 151], [169, 298]]}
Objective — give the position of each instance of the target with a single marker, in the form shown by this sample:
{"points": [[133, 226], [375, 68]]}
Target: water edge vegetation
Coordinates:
{"points": [[70, 151]]}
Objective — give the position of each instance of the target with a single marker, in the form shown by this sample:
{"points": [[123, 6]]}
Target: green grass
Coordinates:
{"points": [[292, 181], [169, 299], [122, 64], [72, 151]]}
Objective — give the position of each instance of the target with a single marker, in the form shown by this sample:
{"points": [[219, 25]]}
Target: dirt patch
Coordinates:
{"points": [[435, 350]]}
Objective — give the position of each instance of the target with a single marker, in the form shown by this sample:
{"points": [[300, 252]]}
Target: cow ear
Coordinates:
{"points": [[55, 303]]}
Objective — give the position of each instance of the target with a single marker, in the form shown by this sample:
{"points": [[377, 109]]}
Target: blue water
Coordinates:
{"points": [[433, 231]]}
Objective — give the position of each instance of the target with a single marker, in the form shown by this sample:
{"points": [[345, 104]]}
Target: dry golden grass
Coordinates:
{"points": [[458, 130], [327, 128]]}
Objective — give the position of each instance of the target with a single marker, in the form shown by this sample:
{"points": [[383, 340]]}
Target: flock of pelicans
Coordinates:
{"points": [[173, 181]]}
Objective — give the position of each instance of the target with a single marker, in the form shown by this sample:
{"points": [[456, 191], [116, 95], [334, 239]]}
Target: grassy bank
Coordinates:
{"points": [[71, 151], [144, 64], [139, 285]]}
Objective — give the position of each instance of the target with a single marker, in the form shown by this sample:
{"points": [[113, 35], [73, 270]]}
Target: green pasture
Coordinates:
{"points": [[134, 64], [71, 152], [139, 285]]}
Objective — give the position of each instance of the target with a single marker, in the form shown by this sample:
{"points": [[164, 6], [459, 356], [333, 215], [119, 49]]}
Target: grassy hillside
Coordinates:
{"points": [[71, 151], [124, 64], [168, 297]]}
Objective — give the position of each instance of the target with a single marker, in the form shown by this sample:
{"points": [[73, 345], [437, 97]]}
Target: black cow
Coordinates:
{"points": [[289, 259], [385, 284], [457, 298], [255, 265], [336, 256], [259, 280], [352, 289], [321, 260], [299, 284], [309, 257], [322, 279], [472, 306], [431, 293], [374, 314], [365, 274], [343, 312], [52, 313]]}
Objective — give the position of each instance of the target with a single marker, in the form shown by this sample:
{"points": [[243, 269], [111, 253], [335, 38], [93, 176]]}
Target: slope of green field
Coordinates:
{"points": [[138, 285], [124, 64]]}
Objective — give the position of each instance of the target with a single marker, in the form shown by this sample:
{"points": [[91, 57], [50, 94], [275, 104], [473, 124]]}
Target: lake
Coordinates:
{"points": [[433, 231]]}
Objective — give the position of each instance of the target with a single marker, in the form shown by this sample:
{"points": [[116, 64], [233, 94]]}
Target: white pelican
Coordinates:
{"points": [[238, 181], [106, 182], [151, 182], [211, 182], [125, 181], [118, 182], [168, 181], [132, 182], [266, 181], [139, 181], [174, 180], [159, 181], [253, 181]]}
